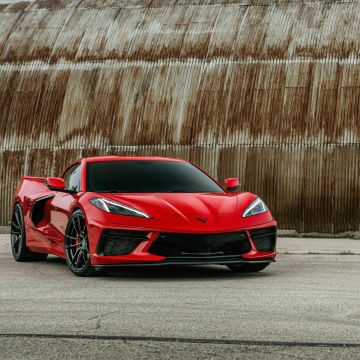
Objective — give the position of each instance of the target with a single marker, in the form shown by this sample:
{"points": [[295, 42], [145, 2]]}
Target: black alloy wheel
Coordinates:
{"points": [[76, 245], [18, 238], [248, 268]]}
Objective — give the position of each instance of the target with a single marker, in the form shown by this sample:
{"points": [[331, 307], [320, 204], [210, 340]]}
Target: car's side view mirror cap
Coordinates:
{"points": [[232, 184], [54, 183]]}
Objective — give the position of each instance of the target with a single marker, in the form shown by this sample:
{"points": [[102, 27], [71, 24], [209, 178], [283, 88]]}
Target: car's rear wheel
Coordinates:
{"points": [[248, 268], [76, 245], [18, 238]]}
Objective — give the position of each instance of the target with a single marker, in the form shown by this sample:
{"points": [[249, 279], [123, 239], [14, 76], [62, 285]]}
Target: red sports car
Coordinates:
{"points": [[106, 212]]}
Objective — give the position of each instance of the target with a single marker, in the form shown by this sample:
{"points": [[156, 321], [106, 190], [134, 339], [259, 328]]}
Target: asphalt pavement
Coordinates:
{"points": [[305, 306]]}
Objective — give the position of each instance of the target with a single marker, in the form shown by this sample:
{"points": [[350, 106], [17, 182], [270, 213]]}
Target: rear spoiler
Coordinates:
{"points": [[34, 178]]}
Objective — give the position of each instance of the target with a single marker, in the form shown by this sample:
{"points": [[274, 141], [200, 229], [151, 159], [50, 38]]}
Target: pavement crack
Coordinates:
{"points": [[182, 340], [98, 319]]}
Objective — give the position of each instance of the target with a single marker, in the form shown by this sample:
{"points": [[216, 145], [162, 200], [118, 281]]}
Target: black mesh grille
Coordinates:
{"points": [[119, 242], [264, 239], [173, 244]]}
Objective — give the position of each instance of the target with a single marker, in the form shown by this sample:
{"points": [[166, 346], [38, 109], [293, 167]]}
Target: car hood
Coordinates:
{"points": [[182, 203]]}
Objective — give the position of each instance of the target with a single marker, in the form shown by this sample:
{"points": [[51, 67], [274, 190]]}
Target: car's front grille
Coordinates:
{"points": [[264, 239], [119, 242], [176, 244]]}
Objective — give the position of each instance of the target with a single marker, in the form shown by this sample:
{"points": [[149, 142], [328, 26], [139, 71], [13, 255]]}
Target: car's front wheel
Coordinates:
{"points": [[76, 245], [18, 238], [248, 268]]}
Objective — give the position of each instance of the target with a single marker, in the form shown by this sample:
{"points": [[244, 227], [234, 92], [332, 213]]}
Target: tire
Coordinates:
{"points": [[18, 238], [76, 246], [248, 268]]}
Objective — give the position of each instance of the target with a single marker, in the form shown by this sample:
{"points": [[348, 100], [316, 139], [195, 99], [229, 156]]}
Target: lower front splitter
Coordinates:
{"points": [[189, 261]]}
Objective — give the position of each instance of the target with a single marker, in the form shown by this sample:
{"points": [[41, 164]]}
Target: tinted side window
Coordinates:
{"points": [[72, 178]]}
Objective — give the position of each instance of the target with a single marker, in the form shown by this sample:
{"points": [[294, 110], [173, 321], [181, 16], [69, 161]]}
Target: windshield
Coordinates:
{"points": [[148, 176]]}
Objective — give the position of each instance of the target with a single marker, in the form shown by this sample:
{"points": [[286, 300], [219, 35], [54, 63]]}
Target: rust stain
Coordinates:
{"points": [[86, 31], [12, 168]]}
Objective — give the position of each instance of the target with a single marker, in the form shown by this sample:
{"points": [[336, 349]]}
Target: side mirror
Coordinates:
{"points": [[232, 184], [55, 183]]}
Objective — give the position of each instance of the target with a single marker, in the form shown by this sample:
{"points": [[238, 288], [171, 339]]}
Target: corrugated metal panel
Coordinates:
{"points": [[12, 168], [192, 102], [290, 30], [308, 188], [264, 90]]}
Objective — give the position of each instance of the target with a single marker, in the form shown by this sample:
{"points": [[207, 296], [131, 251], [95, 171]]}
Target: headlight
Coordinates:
{"points": [[116, 208], [256, 207]]}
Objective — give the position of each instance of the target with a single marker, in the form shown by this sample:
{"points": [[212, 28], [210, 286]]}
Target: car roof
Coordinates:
{"points": [[129, 158]]}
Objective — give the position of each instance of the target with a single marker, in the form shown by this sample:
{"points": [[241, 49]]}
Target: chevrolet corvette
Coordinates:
{"points": [[108, 212]]}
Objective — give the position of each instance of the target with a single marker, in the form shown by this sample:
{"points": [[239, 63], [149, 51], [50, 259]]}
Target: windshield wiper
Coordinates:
{"points": [[179, 191]]}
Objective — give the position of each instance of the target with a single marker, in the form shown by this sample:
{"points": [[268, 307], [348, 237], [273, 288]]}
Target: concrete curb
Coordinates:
{"points": [[339, 253], [355, 235], [4, 229], [318, 246]]}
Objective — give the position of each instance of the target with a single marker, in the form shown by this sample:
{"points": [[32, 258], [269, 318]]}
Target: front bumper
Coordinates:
{"points": [[143, 254]]}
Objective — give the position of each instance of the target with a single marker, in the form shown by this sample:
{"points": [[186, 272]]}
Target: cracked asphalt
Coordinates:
{"points": [[302, 307]]}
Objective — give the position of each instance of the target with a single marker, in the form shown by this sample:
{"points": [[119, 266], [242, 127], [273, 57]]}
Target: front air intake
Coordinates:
{"points": [[264, 239], [119, 242], [200, 245]]}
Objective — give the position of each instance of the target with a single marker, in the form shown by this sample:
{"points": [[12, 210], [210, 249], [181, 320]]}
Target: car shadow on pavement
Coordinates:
{"points": [[184, 272], [169, 272]]}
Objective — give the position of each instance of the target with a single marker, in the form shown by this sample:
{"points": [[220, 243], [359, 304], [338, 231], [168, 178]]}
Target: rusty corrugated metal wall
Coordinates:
{"points": [[265, 90]]}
